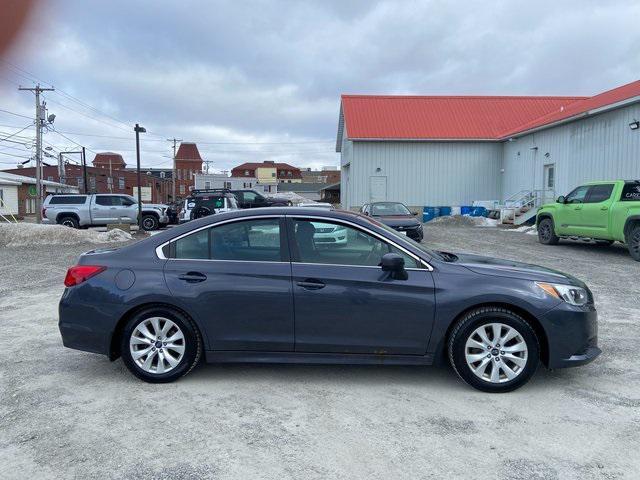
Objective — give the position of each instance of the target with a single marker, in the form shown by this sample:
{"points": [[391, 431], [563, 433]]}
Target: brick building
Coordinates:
{"points": [[188, 163], [100, 181], [110, 161], [284, 173]]}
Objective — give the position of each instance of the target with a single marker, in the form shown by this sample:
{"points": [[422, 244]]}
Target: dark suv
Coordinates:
{"points": [[252, 199]]}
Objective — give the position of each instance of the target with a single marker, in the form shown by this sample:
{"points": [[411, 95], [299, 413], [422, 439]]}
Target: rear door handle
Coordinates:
{"points": [[193, 277], [311, 284], [604, 208]]}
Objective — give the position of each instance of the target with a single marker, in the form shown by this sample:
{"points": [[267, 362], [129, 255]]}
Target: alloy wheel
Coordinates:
{"points": [[496, 353], [148, 223], [157, 345]]}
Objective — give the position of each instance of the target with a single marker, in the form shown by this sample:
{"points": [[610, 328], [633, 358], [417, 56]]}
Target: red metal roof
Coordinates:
{"points": [[188, 151], [610, 97], [442, 117]]}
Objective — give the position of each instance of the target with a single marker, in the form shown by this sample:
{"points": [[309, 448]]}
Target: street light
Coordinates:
{"points": [[138, 129]]}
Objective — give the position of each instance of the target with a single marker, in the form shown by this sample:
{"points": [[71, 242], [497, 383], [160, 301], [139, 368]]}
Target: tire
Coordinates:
{"points": [[633, 243], [69, 221], [526, 350], [604, 243], [179, 327], [150, 222], [546, 233]]}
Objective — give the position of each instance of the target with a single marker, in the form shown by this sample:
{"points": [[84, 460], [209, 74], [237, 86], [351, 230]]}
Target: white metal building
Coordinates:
{"points": [[457, 150]]}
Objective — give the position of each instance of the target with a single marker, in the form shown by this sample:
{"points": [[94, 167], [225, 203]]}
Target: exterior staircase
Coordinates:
{"points": [[523, 206]]}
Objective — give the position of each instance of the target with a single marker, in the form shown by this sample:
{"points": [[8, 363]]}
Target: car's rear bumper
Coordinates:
{"points": [[86, 326], [572, 334]]}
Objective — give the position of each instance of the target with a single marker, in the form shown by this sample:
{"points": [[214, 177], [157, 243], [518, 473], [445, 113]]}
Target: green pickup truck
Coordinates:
{"points": [[601, 211]]}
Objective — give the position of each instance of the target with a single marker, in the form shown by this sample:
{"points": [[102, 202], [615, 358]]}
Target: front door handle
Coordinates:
{"points": [[578, 208], [193, 277], [604, 208], [311, 284]]}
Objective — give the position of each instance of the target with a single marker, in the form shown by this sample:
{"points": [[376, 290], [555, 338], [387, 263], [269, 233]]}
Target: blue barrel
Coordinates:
{"points": [[445, 211], [429, 213], [466, 210], [478, 212]]}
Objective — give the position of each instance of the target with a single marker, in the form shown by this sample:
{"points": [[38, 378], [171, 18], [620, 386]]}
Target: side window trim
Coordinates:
{"points": [[295, 255], [285, 252]]}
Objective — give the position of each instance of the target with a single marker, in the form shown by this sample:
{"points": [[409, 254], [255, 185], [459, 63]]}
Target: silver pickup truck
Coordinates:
{"points": [[87, 210]]}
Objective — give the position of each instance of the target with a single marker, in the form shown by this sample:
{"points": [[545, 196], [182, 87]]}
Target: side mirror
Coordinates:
{"points": [[561, 199], [394, 263]]}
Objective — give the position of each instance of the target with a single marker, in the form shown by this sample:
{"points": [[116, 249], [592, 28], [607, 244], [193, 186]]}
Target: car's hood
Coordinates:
{"points": [[510, 268], [398, 220]]}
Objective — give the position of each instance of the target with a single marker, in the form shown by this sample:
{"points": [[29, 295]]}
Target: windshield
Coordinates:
{"points": [[389, 208]]}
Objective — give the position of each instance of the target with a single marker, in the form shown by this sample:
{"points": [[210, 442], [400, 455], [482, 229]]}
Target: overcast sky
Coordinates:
{"points": [[264, 78]]}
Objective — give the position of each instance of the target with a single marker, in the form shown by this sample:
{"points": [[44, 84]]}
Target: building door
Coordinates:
{"points": [[549, 182], [377, 189]]}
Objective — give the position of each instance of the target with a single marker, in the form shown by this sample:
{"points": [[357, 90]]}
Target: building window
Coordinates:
{"points": [[92, 184], [80, 183], [50, 178], [162, 174], [227, 185], [207, 185], [282, 173], [181, 189], [289, 173], [273, 174], [121, 183]]}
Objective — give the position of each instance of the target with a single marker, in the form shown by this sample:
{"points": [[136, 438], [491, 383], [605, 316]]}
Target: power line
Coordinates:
{"points": [[16, 114], [22, 129]]}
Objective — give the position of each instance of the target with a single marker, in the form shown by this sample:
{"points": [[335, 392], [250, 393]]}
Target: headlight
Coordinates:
{"points": [[569, 293]]}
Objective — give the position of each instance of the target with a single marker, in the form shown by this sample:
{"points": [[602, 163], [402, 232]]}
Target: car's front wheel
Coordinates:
{"points": [[494, 350], [546, 233], [160, 345]]}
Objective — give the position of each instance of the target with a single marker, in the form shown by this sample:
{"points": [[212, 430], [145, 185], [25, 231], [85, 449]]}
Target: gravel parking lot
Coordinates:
{"points": [[66, 414]]}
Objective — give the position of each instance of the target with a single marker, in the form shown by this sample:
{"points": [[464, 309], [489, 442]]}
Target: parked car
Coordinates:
{"points": [[252, 286], [202, 203], [397, 216], [88, 210], [601, 211]]}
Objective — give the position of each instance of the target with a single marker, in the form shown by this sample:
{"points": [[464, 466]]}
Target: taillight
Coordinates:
{"points": [[81, 273]]}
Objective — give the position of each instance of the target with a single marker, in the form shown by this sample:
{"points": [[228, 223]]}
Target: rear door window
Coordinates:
{"points": [[68, 200], [247, 240], [599, 193], [630, 192], [107, 200]]}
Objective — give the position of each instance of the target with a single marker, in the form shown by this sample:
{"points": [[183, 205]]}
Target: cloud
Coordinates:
{"points": [[273, 71]]}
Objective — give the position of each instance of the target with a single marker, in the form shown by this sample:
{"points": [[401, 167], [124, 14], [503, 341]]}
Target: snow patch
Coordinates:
{"points": [[464, 221], [31, 234], [527, 229]]}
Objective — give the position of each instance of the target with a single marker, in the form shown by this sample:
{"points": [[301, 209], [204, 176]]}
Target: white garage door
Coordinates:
{"points": [[8, 200]]}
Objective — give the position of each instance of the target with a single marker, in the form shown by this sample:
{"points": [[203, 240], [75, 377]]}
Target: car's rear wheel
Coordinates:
{"points": [[546, 233], [494, 350], [633, 243], [150, 222], [69, 221], [160, 345]]}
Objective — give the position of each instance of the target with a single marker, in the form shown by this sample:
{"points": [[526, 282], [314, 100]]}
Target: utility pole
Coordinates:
{"points": [[173, 173], [84, 170], [62, 168], [39, 110]]}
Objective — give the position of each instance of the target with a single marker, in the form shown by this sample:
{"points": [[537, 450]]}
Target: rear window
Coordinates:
{"points": [[68, 200], [630, 193]]}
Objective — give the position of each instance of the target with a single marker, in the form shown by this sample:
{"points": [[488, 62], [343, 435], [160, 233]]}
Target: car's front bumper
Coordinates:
{"points": [[572, 335]]}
